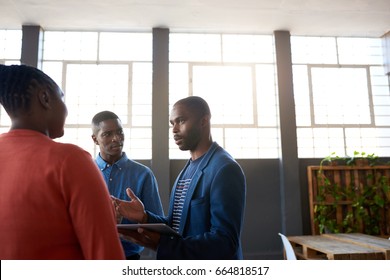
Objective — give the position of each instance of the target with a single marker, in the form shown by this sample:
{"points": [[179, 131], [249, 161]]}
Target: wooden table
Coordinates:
{"points": [[341, 246]]}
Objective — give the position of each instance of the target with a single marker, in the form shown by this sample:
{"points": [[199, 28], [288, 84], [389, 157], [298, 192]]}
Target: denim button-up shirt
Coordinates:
{"points": [[126, 173]]}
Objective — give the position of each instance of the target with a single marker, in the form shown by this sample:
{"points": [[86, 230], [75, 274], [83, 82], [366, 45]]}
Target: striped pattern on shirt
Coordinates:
{"points": [[180, 196], [181, 191]]}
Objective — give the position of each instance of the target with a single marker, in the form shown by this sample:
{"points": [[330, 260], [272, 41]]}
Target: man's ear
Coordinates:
{"points": [[205, 120], [94, 139]]}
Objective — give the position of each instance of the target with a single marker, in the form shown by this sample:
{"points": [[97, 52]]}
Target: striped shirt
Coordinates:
{"points": [[181, 192]]}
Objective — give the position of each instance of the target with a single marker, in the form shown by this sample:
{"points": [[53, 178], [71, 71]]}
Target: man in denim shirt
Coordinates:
{"points": [[120, 172]]}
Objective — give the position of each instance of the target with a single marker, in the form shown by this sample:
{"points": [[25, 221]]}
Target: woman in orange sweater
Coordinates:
{"points": [[53, 202]]}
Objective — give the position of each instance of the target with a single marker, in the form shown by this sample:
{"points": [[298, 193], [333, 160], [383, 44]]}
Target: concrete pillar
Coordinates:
{"points": [[289, 163]]}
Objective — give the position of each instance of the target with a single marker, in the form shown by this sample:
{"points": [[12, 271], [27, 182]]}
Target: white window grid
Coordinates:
{"points": [[365, 89], [229, 70], [103, 71], [314, 140], [10, 53]]}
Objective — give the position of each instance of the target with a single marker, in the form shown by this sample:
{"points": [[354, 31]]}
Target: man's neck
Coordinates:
{"points": [[111, 159], [201, 149]]}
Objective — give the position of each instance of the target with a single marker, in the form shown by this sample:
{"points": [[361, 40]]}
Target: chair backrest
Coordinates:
{"points": [[290, 254]]}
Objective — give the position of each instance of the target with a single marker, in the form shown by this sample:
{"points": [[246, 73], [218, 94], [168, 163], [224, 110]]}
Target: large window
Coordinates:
{"points": [[341, 96], [10, 53], [104, 71], [235, 74], [341, 92]]}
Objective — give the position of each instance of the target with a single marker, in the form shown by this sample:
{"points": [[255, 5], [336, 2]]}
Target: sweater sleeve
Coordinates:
{"points": [[90, 207]]}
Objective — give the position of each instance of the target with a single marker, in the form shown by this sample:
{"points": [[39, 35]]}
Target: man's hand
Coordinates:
{"points": [[132, 210], [118, 215], [142, 237]]}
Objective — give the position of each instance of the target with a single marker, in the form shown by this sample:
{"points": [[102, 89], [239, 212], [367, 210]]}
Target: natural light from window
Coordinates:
{"points": [[10, 53], [341, 92], [342, 98], [104, 71], [236, 75]]}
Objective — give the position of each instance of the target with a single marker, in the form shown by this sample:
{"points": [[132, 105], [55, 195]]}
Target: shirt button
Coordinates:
{"points": [[110, 179]]}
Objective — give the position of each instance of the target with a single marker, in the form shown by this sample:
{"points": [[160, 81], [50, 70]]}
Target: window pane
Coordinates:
{"points": [[248, 48], [195, 47], [10, 44], [70, 45], [91, 94], [236, 75], [54, 70], [349, 95], [125, 46], [140, 143], [360, 50], [301, 95], [178, 81], [142, 95], [216, 83], [267, 103], [117, 79], [317, 50], [320, 142], [10, 53], [340, 96], [252, 143], [362, 139]]}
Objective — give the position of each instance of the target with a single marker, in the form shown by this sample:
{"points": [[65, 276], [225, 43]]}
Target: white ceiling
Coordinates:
{"points": [[369, 18]]}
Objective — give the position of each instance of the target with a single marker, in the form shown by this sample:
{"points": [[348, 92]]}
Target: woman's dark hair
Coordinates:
{"points": [[16, 82]]}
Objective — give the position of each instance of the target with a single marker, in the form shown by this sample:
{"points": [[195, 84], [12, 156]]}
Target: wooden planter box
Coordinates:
{"points": [[343, 190]]}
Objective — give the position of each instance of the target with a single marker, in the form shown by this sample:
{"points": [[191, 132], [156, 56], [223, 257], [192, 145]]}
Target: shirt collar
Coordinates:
{"points": [[102, 164]]}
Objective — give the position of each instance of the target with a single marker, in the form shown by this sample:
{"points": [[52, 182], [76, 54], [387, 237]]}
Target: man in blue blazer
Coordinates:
{"points": [[208, 198]]}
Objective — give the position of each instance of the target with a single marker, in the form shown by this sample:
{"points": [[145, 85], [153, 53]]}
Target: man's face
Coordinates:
{"points": [[110, 139], [186, 128]]}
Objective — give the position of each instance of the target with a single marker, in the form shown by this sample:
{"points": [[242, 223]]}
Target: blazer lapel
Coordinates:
{"points": [[172, 197], [190, 192], [194, 184]]}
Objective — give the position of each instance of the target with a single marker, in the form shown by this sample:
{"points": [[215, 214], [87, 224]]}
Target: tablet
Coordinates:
{"points": [[161, 228]]}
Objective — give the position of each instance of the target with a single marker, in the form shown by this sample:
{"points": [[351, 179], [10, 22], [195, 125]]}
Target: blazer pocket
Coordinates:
{"points": [[199, 216], [197, 201]]}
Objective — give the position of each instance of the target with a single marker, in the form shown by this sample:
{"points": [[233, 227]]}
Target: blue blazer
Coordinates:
{"points": [[213, 212]]}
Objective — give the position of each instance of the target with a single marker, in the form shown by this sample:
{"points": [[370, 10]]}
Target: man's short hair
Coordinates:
{"points": [[102, 116], [196, 105]]}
